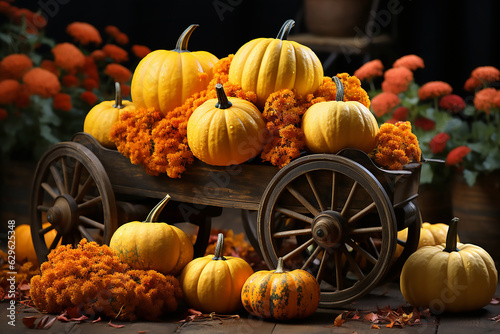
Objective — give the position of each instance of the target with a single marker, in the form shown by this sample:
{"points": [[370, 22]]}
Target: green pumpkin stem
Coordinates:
{"points": [[340, 89], [118, 96], [279, 267], [285, 29], [183, 40], [223, 102], [155, 212], [219, 248], [451, 237]]}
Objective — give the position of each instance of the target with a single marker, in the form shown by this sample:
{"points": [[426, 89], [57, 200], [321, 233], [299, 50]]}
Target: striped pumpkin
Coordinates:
{"points": [[280, 295]]}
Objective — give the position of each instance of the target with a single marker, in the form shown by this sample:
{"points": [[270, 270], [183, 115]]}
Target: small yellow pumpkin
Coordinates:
{"points": [[213, 283], [25, 251], [281, 295], [226, 131], [101, 117], [333, 125], [266, 65], [450, 277], [164, 79], [153, 245]]}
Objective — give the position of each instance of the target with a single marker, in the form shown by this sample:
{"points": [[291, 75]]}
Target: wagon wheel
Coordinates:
{"points": [[341, 225], [72, 191]]}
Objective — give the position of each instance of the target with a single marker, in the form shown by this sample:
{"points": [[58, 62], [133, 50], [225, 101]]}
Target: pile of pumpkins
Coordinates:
{"points": [[219, 128]]}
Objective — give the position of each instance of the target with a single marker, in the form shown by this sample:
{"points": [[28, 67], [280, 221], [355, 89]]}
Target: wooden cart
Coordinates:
{"points": [[335, 215]]}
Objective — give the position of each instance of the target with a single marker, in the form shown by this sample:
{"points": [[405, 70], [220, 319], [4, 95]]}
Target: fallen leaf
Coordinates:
{"points": [[339, 320], [50, 323], [42, 322], [29, 321], [495, 301], [375, 327], [115, 326], [495, 318], [96, 320]]}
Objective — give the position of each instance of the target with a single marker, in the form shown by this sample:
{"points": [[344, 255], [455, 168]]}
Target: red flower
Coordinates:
{"points": [[70, 80], [425, 123], [438, 143], [41, 82], [401, 113], [115, 52], [452, 102], [125, 90], [434, 89], [14, 66], [457, 155], [89, 84], [384, 102], [68, 56], [89, 97], [118, 72], [62, 102]]}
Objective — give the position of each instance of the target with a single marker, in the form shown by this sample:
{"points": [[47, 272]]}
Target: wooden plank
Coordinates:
{"points": [[245, 324]]}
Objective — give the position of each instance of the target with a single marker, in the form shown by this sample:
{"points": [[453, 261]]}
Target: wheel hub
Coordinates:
{"points": [[63, 213], [328, 229]]}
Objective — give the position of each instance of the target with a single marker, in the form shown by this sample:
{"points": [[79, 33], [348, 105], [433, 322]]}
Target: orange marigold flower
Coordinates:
{"points": [[90, 84], [9, 89], [89, 97], [472, 84], [122, 38], [49, 65], [452, 103], [14, 66], [118, 72], [397, 80], [98, 55], [68, 57], [384, 103], [115, 52], [411, 62], [62, 102], [370, 70], [401, 113], [434, 89], [484, 100], [111, 30], [84, 33], [457, 155], [41, 82], [70, 80], [486, 74], [438, 143], [3, 114], [140, 51]]}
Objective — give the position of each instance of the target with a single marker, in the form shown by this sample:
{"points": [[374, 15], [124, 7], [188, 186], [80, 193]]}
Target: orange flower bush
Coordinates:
{"points": [[397, 80], [14, 66], [434, 90], [68, 57], [41, 82], [118, 72], [84, 33], [411, 62], [384, 103]]}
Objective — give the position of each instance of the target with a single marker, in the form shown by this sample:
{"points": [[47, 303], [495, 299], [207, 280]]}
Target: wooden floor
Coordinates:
{"points": [[321, 322]]}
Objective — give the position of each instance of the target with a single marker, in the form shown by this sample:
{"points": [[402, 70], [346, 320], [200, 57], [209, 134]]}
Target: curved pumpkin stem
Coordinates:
{"points": [[155, 212], [223, 102], [285, 29], [219, 248], [451, 237], [118, 96], [340, 89], [183, 40], [279, 267]]}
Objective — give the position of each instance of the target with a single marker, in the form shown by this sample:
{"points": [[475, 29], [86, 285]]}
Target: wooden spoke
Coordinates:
{"points": [[349, 198], [311, 258], [339, 275], [49, 190], [57, 179], [333, 191], [352, 263], [362, 251], [77, 173], [55, 241], [43, 208], [302, 200], [64, 168], [362, 213], [322, 266], [85, 233], [376, 229], [292, 233], [299, 249], [47, 229], [91, 222], [315, 192], [83, 191], [295, 215], [374, 247], [90, 203]]}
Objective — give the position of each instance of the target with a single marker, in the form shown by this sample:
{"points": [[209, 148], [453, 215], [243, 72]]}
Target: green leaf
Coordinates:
{"points": [[426, 174], [46, 132], [470, 177]]}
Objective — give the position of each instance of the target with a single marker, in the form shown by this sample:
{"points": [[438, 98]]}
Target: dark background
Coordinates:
{"points": [[453, 37]]}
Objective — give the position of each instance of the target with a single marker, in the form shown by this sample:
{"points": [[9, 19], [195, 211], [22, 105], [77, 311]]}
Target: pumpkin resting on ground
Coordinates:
{"points": [[213, 283], [281, 295], [153, 245], [451, 277]]}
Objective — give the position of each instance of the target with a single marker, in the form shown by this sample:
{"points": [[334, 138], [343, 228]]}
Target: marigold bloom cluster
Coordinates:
{"points": [[120, 37], [118, 72], [486, 74], [487, 99], [397, 80], [115, 52], [396, 146], [93, 279], [411, 62], [370, 70], [62, 102], [434, 89], [384, 103], [14, 66], [452, 103], [9, 90], [84, 33], [140, 51], [457, 155], [41, 82], [68, 57]]}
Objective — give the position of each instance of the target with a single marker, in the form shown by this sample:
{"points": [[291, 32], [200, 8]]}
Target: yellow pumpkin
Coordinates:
{"points": [[101, 117], [333, 125], [25, 251], [164, 79], [226, 131], [266, 65], [430, 235], [213, 283], [450, 277], [153, 245]]}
